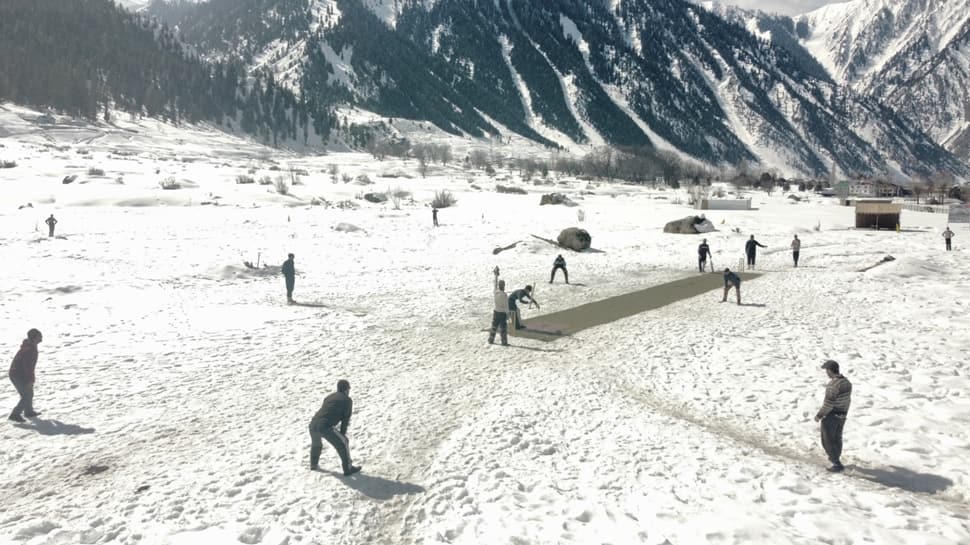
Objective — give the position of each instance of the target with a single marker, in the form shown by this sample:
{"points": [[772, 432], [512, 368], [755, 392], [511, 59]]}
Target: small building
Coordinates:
{"points": [[874, 214]]}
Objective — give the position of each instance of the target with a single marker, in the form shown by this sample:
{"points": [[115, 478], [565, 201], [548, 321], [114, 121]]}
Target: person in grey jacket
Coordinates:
{"points": [[838, 396], [500, 314], [336, 410], [947, 236]]}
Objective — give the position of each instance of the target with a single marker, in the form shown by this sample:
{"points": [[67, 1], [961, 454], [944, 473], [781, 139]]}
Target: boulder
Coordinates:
{"points": [[556, 198], [691, 225], [575, 238], [376, 198]]}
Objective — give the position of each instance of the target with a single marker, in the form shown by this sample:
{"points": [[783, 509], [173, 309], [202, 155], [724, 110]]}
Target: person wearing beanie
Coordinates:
{"points": [[731, 280], [523, 295], [22, 376], [838, 396], [336, 410]]}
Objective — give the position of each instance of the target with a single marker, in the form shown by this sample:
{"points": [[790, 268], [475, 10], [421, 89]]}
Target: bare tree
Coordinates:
{"points": [[944, 181]]}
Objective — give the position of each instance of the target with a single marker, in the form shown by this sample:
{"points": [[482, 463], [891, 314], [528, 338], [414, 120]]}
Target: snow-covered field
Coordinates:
{"points": [[176, 385]]}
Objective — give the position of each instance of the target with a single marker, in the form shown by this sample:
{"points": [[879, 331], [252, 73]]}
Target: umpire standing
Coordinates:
{"points": [[289, 274]]}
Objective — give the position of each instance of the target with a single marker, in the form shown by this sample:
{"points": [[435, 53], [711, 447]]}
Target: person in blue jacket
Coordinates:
{"points": [[731, 280], [523, 295]]}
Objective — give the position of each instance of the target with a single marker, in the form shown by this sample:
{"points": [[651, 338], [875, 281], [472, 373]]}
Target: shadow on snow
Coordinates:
{"points": [[54, 427], [902, 478], [377, 488]]}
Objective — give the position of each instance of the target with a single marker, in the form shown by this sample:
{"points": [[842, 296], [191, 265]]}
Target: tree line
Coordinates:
{"points": [[90, 57]]}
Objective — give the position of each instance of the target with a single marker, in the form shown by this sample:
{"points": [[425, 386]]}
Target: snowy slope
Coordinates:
{"points": [[176, 385], [856, 39], [714, 92], [912, 55]]}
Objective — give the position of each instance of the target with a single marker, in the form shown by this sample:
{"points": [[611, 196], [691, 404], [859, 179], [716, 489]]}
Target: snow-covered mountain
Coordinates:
{"points": [[912, 55], [631, 73]]}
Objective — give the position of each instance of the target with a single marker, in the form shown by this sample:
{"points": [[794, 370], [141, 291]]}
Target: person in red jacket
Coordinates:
{"points": [[22, 376]]}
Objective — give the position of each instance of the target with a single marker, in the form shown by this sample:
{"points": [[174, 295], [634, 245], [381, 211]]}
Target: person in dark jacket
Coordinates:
{"points": [[838, 396], [22, 376], [559, 263], [703, 251], [289, 274], [51, 222], [751, 249], [434, 215], [336, 410], [523, 295], [948, 237], [731, 280], [796, 247]]}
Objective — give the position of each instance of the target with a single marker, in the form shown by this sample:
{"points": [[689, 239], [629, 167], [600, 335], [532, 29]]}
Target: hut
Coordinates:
{"points": [[873, 214]]}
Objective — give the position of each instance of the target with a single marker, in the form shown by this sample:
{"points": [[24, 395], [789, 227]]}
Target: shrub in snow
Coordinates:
{"points": [[581, 215], [347, 205], [396, 195], [510, 189], [8, 164], [244, 179], [265, 180], [443, 199], [281, 185], [95, 172], [363, 179]]}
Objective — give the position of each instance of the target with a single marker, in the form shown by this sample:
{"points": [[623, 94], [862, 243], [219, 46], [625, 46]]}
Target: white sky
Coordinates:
{"points": [[786, 7]]}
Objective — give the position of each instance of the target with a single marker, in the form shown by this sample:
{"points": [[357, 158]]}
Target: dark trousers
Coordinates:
{"points": [[335, 438], [435, 220], [947, 243], [26, 391], [751, 259], [500, 323], [794, 255], [290, 282], [702, 263], [832, 426], [564, 272]]}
